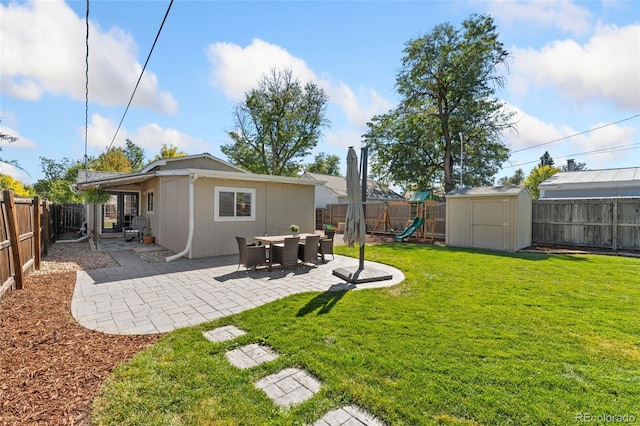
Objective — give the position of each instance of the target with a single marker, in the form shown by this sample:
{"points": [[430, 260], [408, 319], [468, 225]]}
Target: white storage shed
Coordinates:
{"points": [[492, 217]]}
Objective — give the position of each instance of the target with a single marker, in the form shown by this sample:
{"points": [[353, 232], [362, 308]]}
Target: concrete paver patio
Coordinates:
{"points": [[140, 297]]}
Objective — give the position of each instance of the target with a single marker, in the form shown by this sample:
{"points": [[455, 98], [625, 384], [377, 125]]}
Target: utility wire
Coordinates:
{"points": [[86, 92], [576, 134], [140, 78], [580, 154]]}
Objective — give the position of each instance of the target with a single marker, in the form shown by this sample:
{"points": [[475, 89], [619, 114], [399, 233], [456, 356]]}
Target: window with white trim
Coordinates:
{"points": [[234, 204], [150, 202]]}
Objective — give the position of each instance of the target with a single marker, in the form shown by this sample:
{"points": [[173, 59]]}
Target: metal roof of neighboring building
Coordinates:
{"points": [[630, 175], [338, 184]]}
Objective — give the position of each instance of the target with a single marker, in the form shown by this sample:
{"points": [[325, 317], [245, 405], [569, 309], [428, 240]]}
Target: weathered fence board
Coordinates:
{"points": [[604, 222]]}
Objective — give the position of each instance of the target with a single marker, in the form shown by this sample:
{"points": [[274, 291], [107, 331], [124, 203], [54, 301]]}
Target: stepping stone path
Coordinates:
{"points": [[348, 416], [290, 386], [221, 334]]}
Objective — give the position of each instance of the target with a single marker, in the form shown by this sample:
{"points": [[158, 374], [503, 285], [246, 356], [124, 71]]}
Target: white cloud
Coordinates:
{"points": [[14, 172], [533, 132], [560, 14], [149, 137], [341, 139], [22, 141], [235, 70], [42, 50], [606, 68]]}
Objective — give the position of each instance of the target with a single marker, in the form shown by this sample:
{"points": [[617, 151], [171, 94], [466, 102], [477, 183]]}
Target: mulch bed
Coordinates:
{"points": [[50, 366]]}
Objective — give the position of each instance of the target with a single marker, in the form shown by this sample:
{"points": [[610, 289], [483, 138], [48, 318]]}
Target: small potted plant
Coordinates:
{"points": [[294, 229]]}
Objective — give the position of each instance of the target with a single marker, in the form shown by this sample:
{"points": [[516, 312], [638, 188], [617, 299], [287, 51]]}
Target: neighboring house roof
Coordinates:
{"points": [[487, 191], [338, 184], [594, 183], [211, 167], [89, 175]]}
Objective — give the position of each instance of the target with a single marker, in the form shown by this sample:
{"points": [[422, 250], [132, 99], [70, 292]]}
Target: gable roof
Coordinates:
{"points": [[487, 191], [174, 163], [338, 185]]}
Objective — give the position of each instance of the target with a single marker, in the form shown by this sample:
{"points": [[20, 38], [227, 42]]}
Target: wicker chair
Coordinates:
{"points": [[250, 255], [136, 230], [308, 251], [326, 247], [286, 254]]}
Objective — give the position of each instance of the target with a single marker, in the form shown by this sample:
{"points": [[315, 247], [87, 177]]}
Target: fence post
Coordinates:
{"points": [[614, 223], [37, 237], [14, 237], [46, 229]]}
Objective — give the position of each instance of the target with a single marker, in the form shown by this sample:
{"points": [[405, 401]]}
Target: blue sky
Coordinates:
{"points": [[573, 67]]}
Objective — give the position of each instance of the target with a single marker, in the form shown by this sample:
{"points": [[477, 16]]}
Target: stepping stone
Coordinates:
{"points": [[221, 334], [348, 416], [290, 386], [250, 355]]}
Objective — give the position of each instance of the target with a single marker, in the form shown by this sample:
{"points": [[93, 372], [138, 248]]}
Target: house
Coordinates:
{"points": [[624, 182], [196, 205], [334, 190]]}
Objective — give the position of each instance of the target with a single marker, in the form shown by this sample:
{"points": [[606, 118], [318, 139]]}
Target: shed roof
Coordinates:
{"points": [[488, 191], [595, 178]]}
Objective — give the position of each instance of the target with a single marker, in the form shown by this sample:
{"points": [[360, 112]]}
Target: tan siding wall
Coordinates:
{"points": [[173, 206], [277, 207]]}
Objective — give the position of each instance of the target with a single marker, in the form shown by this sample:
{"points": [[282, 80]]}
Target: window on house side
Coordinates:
{"points": [[150, 202], [234, 204]]}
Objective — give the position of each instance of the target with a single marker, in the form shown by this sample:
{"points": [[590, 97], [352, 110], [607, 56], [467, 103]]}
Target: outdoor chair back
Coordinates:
{"points": [[326, 248], [308, 251], [136, 230], [250, 255], [286, 254]]}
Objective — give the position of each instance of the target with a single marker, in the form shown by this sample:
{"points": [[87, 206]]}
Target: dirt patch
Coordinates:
{"points": [[50, 366]]}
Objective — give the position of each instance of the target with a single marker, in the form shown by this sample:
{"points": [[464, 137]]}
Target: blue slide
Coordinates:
{"points": [[417, 223]]}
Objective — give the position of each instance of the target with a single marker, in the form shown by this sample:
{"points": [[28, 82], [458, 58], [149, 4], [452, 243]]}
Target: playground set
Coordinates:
{"points": [[423, 210]]}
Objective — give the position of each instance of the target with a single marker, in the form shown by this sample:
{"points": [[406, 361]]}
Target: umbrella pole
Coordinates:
{"points": [[363, 173]]}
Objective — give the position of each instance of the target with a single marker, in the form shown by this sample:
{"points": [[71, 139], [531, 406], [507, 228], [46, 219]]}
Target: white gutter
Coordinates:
{"points": [[187, 249]]}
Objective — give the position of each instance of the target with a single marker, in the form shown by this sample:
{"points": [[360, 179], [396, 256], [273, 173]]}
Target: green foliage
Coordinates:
{"points": [[279, 123], [9, 139], [96, 196], [446, 83], [470, 337], [537, 176], [516, 179], [58, 176], [135, 155], [169, 151], [546, 160], [112, 160], [8, 182], [326, 164]]}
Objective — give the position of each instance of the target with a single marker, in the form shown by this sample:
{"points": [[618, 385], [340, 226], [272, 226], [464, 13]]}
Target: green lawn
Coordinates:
{"points": [[469, 337]]}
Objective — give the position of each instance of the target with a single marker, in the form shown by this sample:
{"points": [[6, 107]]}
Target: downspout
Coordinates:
{"points": [[187, 249]]}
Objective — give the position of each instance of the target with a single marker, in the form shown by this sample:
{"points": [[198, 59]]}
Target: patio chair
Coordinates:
{"points": [[286, 254], [136, 230], [326, 247], [308, 250], [250, 254]]}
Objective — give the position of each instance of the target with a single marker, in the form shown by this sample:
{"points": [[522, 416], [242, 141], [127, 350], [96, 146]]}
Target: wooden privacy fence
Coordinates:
{"points": [[23, 240], [399, 216], [604, 222]]}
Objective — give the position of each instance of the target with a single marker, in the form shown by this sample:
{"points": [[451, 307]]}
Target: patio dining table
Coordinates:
{"points": [[270, 240]]}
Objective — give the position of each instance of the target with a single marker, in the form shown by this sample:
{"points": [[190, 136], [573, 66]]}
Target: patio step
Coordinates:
{"points": [[221, 334], [290, 386]]}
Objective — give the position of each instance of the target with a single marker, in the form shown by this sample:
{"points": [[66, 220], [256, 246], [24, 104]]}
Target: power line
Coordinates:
{"points": [[140, 78], [86, 91], [576, 134], [580, 154]]}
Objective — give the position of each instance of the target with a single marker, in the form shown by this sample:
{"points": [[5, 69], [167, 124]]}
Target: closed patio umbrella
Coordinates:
{"points": [[355, 231]]}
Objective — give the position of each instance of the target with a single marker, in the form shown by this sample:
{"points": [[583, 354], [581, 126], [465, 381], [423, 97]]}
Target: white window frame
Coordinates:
{"points": [[153, 206], [235, 190]]}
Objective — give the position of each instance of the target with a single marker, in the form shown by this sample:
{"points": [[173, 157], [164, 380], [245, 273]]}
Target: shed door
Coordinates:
{"points": [[490, 224]]}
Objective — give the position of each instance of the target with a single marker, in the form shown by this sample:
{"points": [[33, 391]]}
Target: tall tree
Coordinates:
{"points": [[326, 164], [537, 176], [278, 124], [516, 179], [546, 160], [112, 160], [446, 83], [8, 182], [5, 138], [135, 155], [58, 176], [169, 151]]}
